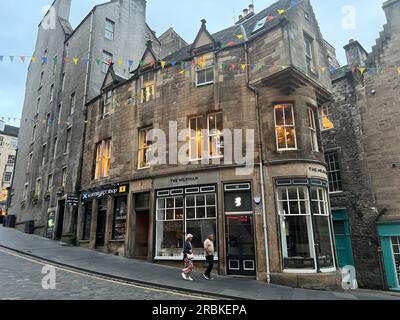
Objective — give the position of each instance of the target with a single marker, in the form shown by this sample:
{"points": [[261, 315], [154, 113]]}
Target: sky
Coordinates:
{"points": [[19, 24]]}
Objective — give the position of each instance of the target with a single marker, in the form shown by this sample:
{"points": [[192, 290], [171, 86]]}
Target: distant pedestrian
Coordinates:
{"points": [[188, 258], [209, 253]]}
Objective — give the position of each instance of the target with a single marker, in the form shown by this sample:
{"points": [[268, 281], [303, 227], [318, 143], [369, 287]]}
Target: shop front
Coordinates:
{"points": [[389, 235]]}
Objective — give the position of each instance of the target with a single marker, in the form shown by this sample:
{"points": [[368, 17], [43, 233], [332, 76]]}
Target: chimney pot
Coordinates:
{"points": [[203, 22], [240, 17], [251, 8], [245, 12]]}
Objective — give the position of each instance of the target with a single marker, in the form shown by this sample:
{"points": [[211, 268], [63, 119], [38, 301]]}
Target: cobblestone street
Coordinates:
{"points": [[21, 278]]}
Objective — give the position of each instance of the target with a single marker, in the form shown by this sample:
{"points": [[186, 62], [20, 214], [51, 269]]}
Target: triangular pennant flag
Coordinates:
{"points": [[141, 63], [86, 61], [120, 62], [22, 58], [75, 61], [44, 60], [130, 62], [293, 3], [353, 69], [332, 69], [239, 36], [232, 66], [162, 64], [152, 63], [243, 66], [55, 60], [98, 61], [323, 69], [253, 66], [182, 71], [11, 59], [65, 60], [398, 70], [223, 46], [281, 11], [173, 63], [223, 65], [362, 70], [283, 67], [231, 43], [269, 18], [109, 61], [33, 59]]}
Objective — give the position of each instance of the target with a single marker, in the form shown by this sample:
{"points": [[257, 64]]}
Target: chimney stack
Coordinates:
{"points": [[251, 8], [356, 55], [245, 12], [240, 17]]}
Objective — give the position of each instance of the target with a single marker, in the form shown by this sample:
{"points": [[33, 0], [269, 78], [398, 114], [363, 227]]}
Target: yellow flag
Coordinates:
{"points": [[398, 70], [323, 69], [239, 36], [182, 72], [243, 67], [33, 59], [76, 60], [281, 11], [362, 70], [120, 62], [284, 67], [163, 64]]}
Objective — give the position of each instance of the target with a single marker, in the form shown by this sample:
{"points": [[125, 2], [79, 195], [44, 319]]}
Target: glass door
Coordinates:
{"points": [[241, 258]]}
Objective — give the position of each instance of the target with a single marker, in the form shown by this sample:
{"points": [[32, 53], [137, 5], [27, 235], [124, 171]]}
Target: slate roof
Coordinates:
{"points": [[230, 34], [10, 131]]}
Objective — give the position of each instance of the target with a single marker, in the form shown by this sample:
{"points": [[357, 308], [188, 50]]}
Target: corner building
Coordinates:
{"points": [[262, 74]]}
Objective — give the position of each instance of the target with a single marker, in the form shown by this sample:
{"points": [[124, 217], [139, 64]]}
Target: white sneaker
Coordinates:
{"points": [[190, 279], [205, 277], [184, 276]]}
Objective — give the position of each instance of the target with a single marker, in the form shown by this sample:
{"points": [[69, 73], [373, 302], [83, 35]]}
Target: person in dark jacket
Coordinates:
{"points": [[188, 258]]}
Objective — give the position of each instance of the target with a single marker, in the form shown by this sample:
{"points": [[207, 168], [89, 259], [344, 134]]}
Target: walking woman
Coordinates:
{"points": [[188, 258]]}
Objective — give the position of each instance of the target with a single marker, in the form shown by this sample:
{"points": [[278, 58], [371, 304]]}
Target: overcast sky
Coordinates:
{"points": [[19, 21]]}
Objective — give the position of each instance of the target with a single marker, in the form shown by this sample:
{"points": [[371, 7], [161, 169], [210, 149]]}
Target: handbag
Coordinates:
{"points": [[190, 256]]}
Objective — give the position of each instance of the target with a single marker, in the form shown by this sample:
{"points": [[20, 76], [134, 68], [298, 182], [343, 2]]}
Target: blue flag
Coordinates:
{"points": [[294, 3]]}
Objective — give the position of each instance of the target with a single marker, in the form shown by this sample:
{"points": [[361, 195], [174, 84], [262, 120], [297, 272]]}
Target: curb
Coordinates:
{"points": [[128, 280]]}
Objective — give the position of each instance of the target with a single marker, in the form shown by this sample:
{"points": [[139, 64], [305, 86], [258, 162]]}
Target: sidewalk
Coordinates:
{"points": [[166, 277]]}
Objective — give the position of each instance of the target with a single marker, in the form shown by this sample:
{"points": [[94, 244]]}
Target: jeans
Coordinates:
{"points": [[210, 260]]}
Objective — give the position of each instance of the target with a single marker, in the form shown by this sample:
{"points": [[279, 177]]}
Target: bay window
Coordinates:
{"points": [[306, 235], [285, 127], [312, 130], [193, 211], [215, 135]]}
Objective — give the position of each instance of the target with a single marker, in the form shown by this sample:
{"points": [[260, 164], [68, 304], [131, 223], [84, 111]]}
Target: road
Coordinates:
{"points": [[21, 279]]}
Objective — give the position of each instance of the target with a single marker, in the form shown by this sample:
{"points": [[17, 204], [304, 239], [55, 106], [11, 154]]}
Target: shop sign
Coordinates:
{"points": [[104, 192], [184, 179], [72, 200], [317, 170]]}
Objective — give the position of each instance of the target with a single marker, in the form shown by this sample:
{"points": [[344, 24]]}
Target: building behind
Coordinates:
{"points": [[69, 71], [360, 130]]}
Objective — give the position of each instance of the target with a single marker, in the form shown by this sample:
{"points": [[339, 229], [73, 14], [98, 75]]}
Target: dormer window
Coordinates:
{"points": [[148, 87], [205, 70], [107, 99]]}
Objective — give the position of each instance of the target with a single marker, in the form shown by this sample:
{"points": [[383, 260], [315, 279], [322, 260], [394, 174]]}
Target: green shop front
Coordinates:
{"points": [[389, 236]]}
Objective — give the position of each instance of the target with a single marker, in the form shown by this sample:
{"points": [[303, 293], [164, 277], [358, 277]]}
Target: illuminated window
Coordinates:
{"points": [[102, 159], [144, 148], [285, 127], [312, 130], [205, 70], [215, 135], [148, 87], [326, 118], [196, 138]]}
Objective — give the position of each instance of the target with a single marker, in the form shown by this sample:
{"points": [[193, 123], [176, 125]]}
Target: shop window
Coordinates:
{"points": [[215, 135], [396, 253], [205, 70], [144, 148], [102, 159], [196, 138], [148, 86], [285, 127], [334, 173], [120, 214], [312, 128], [326, 118], [87, 221], [298, 234]]}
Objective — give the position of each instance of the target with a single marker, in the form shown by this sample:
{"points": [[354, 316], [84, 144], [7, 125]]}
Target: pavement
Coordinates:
{"points": [[164, 277]]}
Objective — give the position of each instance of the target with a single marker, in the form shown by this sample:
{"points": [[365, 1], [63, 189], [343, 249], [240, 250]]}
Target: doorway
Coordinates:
{"points": [[142, 209], [101, 223], [342, 238], [60, 220]]}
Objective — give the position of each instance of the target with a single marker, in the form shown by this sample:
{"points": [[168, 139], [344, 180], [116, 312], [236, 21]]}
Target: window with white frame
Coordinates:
{"points": [[106, 61], [205, 69], [106, 105], [34, 133], [48, 122], [28, 166], [196, 138], [326, 118], [334, 173], [38, 187], [194, 213], [14, 143], [396, 254], [102, 159], [144, 148], [63, 82], [299, 237], [215, 135], [312, 128], [7, 176], [52, 92], [59, 113], [55, 147], [11, 159], [285, 127], [109, 29], [148, 86]]}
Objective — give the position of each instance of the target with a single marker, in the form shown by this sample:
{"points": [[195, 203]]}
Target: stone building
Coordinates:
{"points": [[266, 76], [68, 71], [8, 153], [361, 144]]}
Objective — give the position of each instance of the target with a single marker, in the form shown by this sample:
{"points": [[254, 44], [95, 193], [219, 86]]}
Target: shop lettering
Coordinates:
{"points": [[179, 180], [166, 311], [317, 170]]}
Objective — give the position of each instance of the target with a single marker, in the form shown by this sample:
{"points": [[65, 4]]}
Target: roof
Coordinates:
{"points": [[66, 26], [10, 131], [230, 34]]}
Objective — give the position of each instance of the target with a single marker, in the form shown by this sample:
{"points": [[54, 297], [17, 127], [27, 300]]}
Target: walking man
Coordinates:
{"points": [[187, 258], [209, 253]]}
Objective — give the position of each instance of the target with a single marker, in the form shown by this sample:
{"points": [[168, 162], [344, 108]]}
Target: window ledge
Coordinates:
{"points": [[336, 192], [116, 240], [204, 84]]}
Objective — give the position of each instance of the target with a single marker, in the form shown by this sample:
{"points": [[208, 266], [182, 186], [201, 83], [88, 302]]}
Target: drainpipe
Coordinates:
{"points": [[78, 187], [261, 162]]}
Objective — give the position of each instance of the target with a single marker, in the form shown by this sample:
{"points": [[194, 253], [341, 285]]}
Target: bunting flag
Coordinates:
{"points": [[109, 61], [98, 61], [243, 66], [11, 59], [323, 69], [86, 61], [162, 64], [120, 62], [33, 59], [362, 70], [55, 60], [22, 58], [182, 71], [65, 60], [253, 66], [269, 18], [76, 60], [281, 11], [1, 58], [173, 63], [239, 36], [44, 60], [293, 3], [141, 63], [130, 62], [332, 69]]}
